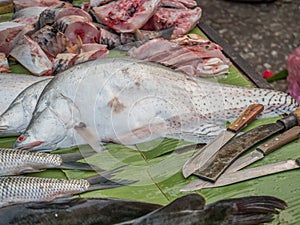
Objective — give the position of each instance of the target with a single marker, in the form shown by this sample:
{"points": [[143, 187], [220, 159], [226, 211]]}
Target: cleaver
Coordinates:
{"points": [[206, 153], [231, 151]]}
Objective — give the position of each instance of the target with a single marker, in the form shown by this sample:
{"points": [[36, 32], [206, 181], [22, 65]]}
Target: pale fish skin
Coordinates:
{"points": [[17, 161], [128, 101], [17, 116], [21, 189], [12, 85]]}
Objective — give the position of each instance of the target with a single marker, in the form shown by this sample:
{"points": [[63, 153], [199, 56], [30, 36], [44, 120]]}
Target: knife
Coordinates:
{"points": [[204, 155], [264, 149], [245, 174], [248, 159], [231, 151]]}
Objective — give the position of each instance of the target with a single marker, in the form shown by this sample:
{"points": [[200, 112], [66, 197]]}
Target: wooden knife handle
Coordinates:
{"points": [[280, 140], [247, 116]]}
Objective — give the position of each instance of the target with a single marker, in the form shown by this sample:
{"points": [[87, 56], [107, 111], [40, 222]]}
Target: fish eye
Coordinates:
{"points": [[21, 138]]}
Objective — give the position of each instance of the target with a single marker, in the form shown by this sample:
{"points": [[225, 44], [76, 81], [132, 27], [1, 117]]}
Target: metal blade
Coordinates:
{"points": [[265, 149], [243, 175], [205, 153], [244, 161]]}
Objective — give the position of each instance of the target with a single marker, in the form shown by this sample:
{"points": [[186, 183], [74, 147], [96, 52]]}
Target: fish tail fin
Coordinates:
{"points": [[70, 161], [104, 181], [75, 156], [246, 210], [79, 166]]}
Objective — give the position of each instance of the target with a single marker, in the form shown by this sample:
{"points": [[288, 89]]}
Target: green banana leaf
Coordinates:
{"points": [[156, 167]]}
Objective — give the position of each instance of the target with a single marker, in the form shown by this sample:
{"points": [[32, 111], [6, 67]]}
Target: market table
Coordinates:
{"points": [[156, 165]]}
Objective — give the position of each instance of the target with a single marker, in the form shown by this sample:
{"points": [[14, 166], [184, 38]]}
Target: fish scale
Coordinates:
{"points": [[129, 101], [22, 189]]}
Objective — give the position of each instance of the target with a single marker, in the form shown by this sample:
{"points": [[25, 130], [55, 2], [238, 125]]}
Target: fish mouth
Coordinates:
{"points": [[29, 146], [4, 128]]}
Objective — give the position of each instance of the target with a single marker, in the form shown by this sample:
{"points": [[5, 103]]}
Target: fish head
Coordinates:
{"points": [[44, 132], [13, 120], [52, 125]]}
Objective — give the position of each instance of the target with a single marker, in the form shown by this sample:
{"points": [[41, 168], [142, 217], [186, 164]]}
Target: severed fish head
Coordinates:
{"points": [[50, 127]]}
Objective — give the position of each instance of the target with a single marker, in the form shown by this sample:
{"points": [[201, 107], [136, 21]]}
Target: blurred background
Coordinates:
{"points": [[264, 34]]}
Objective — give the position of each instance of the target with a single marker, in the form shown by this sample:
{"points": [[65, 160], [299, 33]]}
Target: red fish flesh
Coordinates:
{"points": [[202, 59], [21, 4], [10, 33], [75, 27], [183, 20], [124, 15]]}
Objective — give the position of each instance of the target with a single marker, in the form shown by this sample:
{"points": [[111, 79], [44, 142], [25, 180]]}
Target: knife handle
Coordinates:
{"points": [[280, 140], [247, 116]]}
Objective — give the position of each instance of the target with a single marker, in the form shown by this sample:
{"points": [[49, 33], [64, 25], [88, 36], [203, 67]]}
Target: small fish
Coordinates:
{"points": [[19, 113], [87, 210], [21, 189], [16, 162], [191, 210]]}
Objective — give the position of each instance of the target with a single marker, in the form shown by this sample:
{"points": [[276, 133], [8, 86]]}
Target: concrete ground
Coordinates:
{"points": [[264, 34]]}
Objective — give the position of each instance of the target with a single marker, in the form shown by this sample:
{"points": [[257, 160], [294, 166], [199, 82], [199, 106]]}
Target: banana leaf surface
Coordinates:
{"points": [[156, 166]]}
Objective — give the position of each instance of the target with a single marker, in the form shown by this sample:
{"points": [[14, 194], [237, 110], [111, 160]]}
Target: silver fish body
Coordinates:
{"points": [[129, 101], [14, 161], [12, 85], [15, 119], [21, 189]]}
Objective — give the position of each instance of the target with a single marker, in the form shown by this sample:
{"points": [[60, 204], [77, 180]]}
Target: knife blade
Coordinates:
{"points": [[264, 149], [231, 151], [243, 175], [204, 155]]}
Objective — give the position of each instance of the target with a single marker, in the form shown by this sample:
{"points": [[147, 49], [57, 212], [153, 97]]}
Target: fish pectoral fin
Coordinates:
{"points": [[29, 169], [142, 134], [89, 136]]}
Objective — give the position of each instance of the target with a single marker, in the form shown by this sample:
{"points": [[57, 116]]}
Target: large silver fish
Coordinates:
{"points": [[17, 116], [16, 162], [21, 189], [12, 85], [129, 101]]}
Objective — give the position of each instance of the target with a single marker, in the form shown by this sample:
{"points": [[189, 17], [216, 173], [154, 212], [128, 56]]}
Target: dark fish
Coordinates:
{"points": [[21, 189], [79, 211], [191, 210], [16, 162], [51, 40]]}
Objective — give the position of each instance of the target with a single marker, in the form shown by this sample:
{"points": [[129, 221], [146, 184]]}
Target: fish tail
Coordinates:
{"points": [[246, 210], [75, 156], [79, 166], [104, 181]]}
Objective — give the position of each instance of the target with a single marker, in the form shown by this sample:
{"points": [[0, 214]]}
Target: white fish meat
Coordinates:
{"points": [[128, 101], [32, 57], [17, 116], [12, 85]]}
